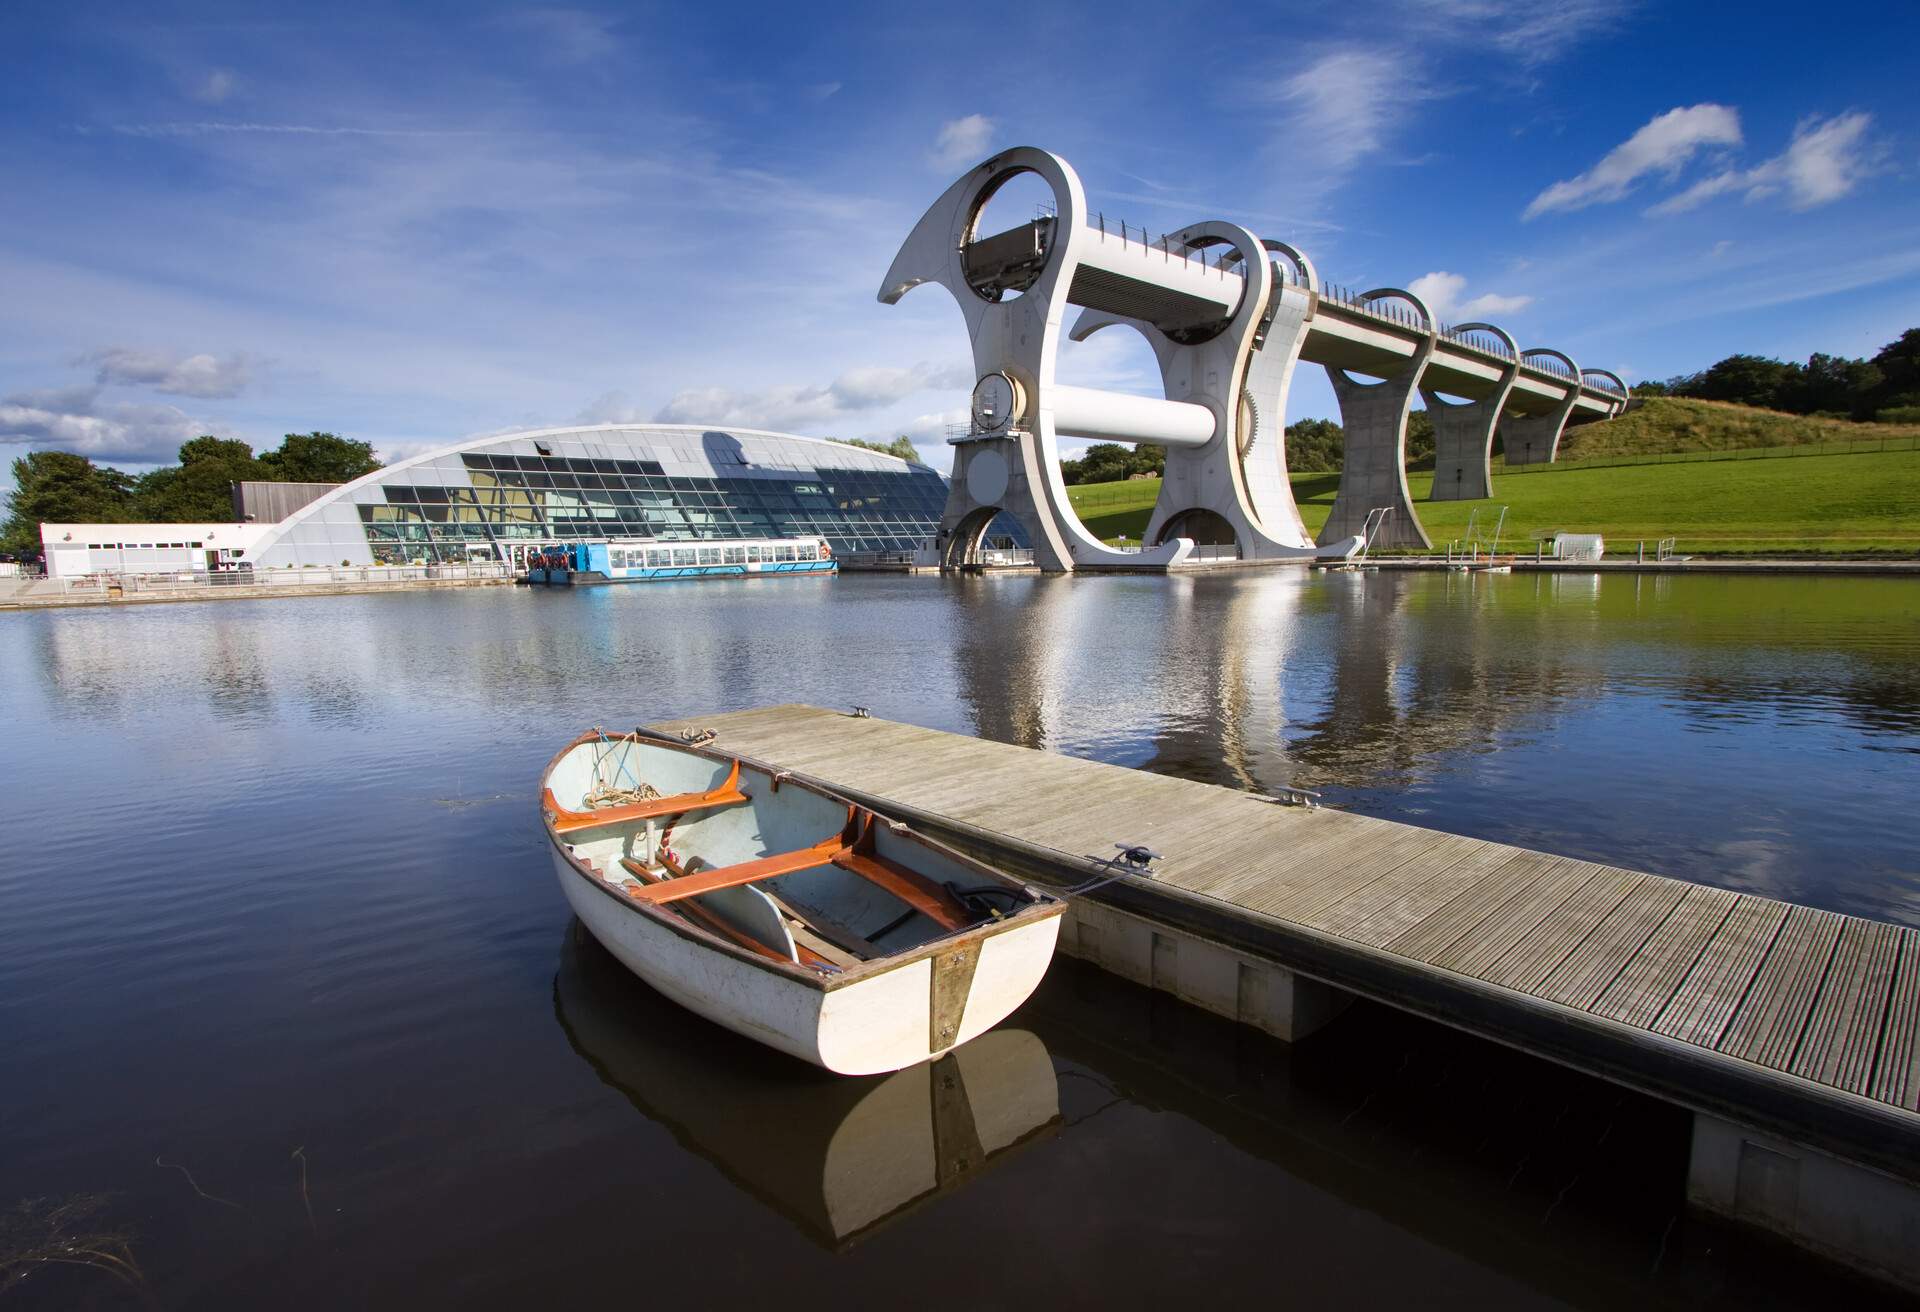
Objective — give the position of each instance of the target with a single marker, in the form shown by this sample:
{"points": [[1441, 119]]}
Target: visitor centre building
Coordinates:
{"points": [[497, 498]]}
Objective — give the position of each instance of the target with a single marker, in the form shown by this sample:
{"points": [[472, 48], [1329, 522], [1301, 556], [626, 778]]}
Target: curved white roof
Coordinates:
{"points": [[685, 450]]}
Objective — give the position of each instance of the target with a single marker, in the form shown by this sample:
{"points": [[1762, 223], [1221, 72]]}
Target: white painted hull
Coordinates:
{"points": [[867, 1026]]}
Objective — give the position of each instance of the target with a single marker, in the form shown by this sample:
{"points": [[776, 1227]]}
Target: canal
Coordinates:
{"points": [[292, 1012]]}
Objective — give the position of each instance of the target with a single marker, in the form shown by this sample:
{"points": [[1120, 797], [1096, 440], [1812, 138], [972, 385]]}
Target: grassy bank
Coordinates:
{"points": [[1672, 424], [1815, 504]]}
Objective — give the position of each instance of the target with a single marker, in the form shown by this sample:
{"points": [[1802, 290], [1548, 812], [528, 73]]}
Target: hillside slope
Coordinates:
{"points": [[1836, 505], [1661, 424]]}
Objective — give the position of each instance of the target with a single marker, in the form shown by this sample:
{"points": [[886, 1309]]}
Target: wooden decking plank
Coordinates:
{"points": [[1700, 1008], [1844, 1031], [1384, 910], [1587, 971], [1517, 917], [1464, 864], [1307, 905], [1282, 899], [1896, 1071], [1533, 959], [1453, 919], [1768, 1024], [1309, 854], [1651, 977]]}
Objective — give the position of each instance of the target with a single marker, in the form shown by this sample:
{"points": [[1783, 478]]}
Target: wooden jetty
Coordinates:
{"points": [[1789, 1031]]}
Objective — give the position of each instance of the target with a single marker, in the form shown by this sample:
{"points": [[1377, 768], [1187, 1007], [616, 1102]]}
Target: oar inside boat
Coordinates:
{"points": [[702, 865]]}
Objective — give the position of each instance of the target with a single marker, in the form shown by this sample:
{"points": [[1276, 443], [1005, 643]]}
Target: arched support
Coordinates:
{"points": [[1241, 374], [1534, 439], [1018, 337], [1463, 432], [1373, 466], [989, 477], [1615, 381]]}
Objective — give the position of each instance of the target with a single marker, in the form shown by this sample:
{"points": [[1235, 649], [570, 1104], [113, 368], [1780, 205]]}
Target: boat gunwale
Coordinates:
{"points": [[1044, 905]]}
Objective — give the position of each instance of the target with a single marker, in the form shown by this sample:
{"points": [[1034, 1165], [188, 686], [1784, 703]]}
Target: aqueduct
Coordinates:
{"points": [[1229, 316]]}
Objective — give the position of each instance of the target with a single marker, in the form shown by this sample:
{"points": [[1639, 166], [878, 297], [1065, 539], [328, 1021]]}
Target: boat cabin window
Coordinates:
{"points": [[736, 555], [786, 553], [655, 557], [804, 551], [709, 555], [683, 555], [753, 555]]}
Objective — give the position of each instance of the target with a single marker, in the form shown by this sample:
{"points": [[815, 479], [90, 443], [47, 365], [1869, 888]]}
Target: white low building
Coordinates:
{"points": [[75, 550]]}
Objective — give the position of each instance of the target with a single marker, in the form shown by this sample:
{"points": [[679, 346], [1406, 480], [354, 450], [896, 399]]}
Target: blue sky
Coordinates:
{"points": [[413, 223]]}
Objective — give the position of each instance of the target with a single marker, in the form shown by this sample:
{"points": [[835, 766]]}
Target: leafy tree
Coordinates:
{"points": [[901, 446], [320, 458], [200, 488], [61, 488], [1835, 385], [1899, 366], [1747, 380], [1315, 444]]}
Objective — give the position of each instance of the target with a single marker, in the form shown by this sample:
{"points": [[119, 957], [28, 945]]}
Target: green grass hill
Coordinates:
{"points": [[1722, 479], [1670, 424]]}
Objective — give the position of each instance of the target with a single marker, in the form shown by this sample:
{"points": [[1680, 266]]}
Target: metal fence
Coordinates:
{"points": [[875, 559], [109, 584]]}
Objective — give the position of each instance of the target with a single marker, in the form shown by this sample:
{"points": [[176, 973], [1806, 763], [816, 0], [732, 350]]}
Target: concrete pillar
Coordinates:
{"points": [[1534, 439], [1373, 469], [991, 474], [1463, 431], [1847, 1212], [1209, 975]]}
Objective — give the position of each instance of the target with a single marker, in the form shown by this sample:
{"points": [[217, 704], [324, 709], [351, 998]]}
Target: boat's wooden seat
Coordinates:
{"points": [[857, 857], [917, 891], [805, 953], [745, 872], [567, 822]]}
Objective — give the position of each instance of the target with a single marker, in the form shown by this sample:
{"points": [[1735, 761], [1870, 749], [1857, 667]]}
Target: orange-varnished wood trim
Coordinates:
{"points": [[567, 822], [708, 920], [862, 858], [912, 888], [746, 872]]}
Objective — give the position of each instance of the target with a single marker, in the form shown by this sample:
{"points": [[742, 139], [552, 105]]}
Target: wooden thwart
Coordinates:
{"points": [[567, 822], [745, 872]]}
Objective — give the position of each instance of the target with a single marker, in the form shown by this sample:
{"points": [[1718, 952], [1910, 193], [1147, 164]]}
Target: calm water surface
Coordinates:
{"points": [[291, 1013]]}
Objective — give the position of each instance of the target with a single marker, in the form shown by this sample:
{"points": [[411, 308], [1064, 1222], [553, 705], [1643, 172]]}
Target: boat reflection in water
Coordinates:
{"points": [[843, 1155]]}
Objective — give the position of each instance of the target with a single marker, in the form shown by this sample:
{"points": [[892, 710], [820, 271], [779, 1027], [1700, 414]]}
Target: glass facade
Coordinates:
{"points": [[482, 500]]}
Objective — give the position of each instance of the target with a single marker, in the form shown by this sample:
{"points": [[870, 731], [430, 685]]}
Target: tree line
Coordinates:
{"points": [[1312, 444], [1886, 388], [62, 488]]}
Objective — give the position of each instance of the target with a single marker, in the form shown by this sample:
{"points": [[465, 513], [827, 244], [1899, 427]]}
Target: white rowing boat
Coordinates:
{"points": [[785, 912]]}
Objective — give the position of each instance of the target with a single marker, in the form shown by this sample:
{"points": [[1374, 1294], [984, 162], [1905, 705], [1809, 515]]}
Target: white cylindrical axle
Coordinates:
{"points": [[1085, 412]]}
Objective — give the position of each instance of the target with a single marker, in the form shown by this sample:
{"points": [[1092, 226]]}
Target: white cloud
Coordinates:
{"points": [[73, 419], [216, 86], [1489, 304], [821, 91], [194, 375], [962, 141], [1524, 30], [1338, 113], [1825, 160], [1664, 146], [1442, 291], [794, 406]]}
